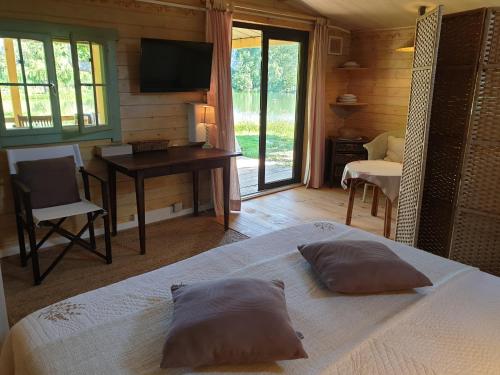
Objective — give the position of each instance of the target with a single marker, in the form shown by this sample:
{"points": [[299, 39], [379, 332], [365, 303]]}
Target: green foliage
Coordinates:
{"points": [[36, 72], [283, 67], [34, 61], [245, 69], [279, 140], [64, 66]]}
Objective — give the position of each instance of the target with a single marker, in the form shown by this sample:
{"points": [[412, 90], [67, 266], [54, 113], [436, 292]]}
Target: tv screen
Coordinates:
{"points": [[173, 65]]}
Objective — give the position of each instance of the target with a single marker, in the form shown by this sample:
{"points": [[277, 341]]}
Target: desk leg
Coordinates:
{"points": [[350, 204], [226, 171], [375, 201], [388, 217], [195, 192], [112, 197], [141, 213]]}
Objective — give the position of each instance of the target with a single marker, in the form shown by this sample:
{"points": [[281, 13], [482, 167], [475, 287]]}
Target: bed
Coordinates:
{"points": [[450, 328]]}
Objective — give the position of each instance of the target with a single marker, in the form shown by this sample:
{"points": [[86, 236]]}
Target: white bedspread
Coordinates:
{"points": [[451, 328]]}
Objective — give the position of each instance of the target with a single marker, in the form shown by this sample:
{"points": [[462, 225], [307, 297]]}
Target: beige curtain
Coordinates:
{"points": [[219, 32], [315, 157]]}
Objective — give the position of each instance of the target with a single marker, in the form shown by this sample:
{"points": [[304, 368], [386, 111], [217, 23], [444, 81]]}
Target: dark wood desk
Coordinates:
{"points": [[162, 163]]}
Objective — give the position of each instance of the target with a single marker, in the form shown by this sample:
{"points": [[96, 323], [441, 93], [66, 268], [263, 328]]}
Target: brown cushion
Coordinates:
{"points": [[232, 321], [361, 267], [52, 181]]}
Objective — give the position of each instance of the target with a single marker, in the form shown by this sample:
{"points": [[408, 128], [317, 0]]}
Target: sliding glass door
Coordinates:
{"points": [[269, 82]]}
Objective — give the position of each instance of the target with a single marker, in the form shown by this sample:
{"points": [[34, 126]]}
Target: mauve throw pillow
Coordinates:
{"points": [[232, 321], [52, 181], [349, 266]]}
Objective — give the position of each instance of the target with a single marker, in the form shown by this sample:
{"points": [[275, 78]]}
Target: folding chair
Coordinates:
{"points": [[28, 218]]}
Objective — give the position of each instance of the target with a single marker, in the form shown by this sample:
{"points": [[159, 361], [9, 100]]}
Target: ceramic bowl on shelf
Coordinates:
{"points": [[350, 64], [347, 98]]}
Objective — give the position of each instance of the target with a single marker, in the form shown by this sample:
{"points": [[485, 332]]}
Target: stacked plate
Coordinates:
{"points": [[351, 64], [347, 99]]}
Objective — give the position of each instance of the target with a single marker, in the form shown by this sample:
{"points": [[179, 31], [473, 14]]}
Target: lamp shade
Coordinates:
{"points": [[199, 115], [408, 47]]}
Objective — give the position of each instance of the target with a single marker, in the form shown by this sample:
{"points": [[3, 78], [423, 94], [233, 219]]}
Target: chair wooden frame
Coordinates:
{"points": [[26, 222]]}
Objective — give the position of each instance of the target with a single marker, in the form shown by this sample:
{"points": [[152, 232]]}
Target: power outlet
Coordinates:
{"points": [[177, 206]]}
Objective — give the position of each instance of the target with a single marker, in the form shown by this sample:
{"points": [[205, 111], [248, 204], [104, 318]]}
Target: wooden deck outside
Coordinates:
{"points": [[248, 170]]}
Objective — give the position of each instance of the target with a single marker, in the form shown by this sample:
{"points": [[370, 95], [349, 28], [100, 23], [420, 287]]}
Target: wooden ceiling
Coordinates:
{"points": [[373, 14], [242, 33]]}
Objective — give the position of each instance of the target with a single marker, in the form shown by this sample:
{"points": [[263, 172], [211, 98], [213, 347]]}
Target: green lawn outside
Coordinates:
{"points": [[279, 140]]}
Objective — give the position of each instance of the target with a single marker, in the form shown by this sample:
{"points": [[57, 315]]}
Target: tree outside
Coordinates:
{"points": [[282, 88], [33, 59]]}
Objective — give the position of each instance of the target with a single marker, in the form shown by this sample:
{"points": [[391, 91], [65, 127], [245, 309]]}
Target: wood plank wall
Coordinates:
{"points": [[385, 86], [143, 116], [337, 82]]}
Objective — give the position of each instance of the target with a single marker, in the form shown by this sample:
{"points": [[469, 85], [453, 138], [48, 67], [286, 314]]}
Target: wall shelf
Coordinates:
{"points": [[360, 68], [349, 104]]}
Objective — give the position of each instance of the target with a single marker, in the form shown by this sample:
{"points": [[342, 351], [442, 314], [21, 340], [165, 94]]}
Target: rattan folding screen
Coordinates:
{"points": [[456, 71], [459, 216], [476, 229], [424, 62]]}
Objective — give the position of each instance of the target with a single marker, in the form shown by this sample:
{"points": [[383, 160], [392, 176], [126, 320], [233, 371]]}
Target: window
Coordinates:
{"points": [[57, 83]]}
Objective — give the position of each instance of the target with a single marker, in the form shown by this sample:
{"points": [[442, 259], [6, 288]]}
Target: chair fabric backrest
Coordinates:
{"points": [[377, 148], [16, 155]]}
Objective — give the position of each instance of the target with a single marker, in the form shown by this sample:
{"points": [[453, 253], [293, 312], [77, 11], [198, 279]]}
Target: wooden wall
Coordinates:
{"points": [[385, 86], [143, 116], [337, 83]]}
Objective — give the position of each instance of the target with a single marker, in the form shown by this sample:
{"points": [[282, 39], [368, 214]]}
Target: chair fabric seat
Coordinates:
{"points": [[66, 210]]}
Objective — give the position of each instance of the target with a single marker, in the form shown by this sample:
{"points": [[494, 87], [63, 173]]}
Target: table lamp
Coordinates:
{"points": [[205, 124]]}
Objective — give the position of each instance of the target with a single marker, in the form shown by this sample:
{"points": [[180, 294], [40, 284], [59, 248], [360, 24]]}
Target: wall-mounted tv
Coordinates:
{"points": [[173, 65]]}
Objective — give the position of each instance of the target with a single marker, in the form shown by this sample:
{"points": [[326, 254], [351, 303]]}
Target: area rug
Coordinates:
{"points": [[80, 271]]}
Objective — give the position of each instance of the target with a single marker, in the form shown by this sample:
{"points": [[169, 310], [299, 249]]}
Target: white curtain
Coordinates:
{"points": [[219, 32], [315, 157]]}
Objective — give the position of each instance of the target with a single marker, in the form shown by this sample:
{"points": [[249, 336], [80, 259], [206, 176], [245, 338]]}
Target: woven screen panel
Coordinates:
{"points": [[492, 52], [461, 35], [456, 71], [481, 179], [424, 59], [425, 40], [476, 235], [485, 125], [477, 241]]}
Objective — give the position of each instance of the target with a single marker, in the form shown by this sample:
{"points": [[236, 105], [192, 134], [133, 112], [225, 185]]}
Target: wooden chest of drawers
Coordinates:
{"points": [[340, 152]]}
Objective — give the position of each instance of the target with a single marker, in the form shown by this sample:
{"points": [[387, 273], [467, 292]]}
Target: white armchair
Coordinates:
{"points": [[377, 149]]}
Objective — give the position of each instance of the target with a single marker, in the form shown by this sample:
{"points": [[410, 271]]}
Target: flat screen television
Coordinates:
{"points": [[173, 65]]}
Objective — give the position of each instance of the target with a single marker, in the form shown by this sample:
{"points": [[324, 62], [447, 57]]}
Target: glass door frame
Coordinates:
{"points": [[302, 37]]}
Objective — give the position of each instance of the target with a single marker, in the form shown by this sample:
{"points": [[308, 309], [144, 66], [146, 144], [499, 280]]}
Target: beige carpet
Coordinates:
{"points": [[81, 271]]}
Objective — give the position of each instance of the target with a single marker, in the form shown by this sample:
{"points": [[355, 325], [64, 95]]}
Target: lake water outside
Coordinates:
{"points": [[280, 124], [281, 107], [279, 139], [282, 81]]}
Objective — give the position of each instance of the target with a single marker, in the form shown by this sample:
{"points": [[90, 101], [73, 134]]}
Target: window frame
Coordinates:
{"points": [[48, 33]]}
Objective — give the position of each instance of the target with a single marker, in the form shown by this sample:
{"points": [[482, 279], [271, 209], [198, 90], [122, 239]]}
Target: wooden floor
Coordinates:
{"points": [[300, 205]]}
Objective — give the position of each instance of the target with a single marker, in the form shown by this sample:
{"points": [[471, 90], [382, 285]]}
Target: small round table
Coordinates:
{"points": [[384, 175]]}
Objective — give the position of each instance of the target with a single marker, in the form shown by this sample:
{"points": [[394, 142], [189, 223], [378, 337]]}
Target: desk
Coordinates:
{"points": [[162, 163], [385, 175]]}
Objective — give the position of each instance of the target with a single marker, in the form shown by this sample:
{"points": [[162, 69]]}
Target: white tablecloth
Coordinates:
{"points": [[385, 174]]}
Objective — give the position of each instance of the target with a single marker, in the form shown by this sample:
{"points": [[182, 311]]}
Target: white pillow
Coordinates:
{"points": [[395, 149]]}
